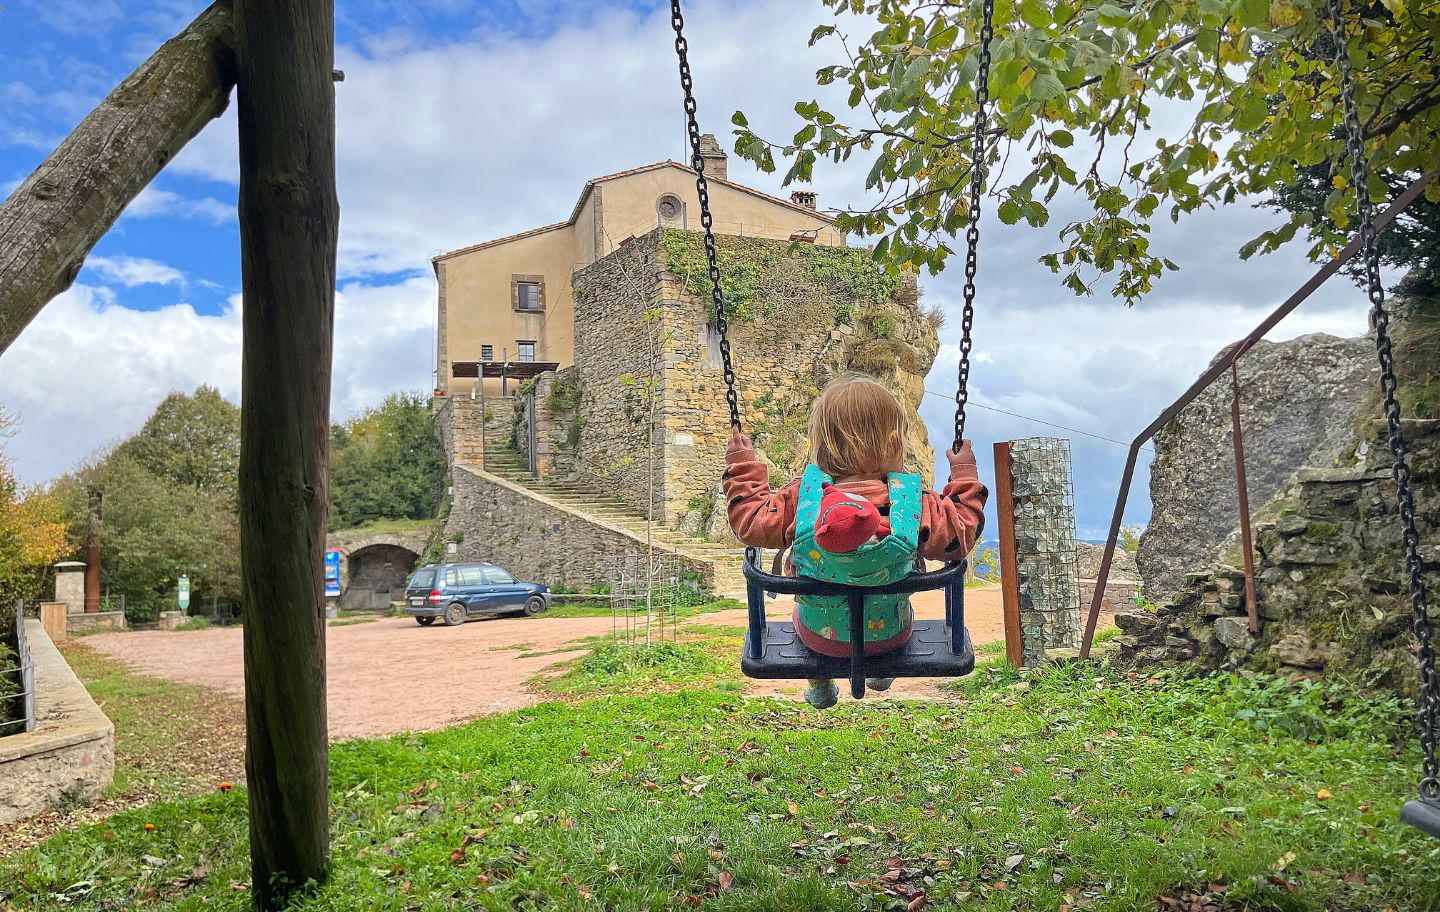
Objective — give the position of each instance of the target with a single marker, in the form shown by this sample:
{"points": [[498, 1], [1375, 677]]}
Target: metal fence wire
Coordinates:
{"points": [[24, 674]]}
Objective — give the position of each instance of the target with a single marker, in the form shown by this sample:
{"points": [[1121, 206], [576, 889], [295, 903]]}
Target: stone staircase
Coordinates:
{"points": [[608, 509]]}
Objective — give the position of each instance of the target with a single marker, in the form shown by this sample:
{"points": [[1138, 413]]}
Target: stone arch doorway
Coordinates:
{"points": [[376, 577], [374, 566]]}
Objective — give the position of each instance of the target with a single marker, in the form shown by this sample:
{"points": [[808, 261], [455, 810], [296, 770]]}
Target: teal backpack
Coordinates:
{"points": [[874, 564]]}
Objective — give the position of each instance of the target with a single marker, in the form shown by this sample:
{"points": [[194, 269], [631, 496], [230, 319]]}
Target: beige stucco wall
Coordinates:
{"points": [[474, 297], [475, 291], [629, 210]]}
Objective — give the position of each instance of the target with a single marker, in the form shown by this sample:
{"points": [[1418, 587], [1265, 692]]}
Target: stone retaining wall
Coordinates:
{"points": [[642, 334], [71, 753], [77, 622], [538, 539], [1330, 577], [1119, 595]]}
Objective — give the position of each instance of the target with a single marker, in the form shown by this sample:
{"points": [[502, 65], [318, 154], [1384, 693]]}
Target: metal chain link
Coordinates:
{"points": [[1380, 323], [972, 233], [702, 188]]}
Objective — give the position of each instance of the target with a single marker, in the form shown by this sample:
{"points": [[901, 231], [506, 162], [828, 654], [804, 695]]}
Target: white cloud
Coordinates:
{"points": [[154, 202], [132, 271], [446, 143], [88, 370]]}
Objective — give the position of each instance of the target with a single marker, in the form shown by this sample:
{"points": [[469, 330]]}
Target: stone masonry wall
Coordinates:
{"points": [[70, 756], [458, 423], [1330, 577], [557, 421], [641, 328], [1300, 406], [538, 539]]}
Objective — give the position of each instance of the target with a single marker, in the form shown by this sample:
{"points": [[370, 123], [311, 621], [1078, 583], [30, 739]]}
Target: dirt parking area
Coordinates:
{"points": [[391, 675]]}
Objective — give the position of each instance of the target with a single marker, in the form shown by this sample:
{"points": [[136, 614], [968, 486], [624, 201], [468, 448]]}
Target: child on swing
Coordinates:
{"points": [[854, 517]]}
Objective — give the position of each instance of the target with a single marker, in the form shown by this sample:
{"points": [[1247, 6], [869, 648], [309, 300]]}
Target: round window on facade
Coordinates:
{"points": [[670, 208]]}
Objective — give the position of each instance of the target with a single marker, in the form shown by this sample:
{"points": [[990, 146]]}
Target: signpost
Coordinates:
{"points": [[183, 592], [332, 574]]}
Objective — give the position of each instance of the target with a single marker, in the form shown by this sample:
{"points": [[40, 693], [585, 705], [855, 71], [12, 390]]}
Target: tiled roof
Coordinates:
{"points": [[502, 240], [590, 185]]}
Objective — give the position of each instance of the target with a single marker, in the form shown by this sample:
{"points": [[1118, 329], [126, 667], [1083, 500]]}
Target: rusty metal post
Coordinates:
{"points": [[92, 555], [1252, 607], [1009, 571]]}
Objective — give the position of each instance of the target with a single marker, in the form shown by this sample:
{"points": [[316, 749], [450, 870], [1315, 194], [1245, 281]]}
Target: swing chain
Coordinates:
{"points": [[1380, 323], [702, 189], [972, 233]]}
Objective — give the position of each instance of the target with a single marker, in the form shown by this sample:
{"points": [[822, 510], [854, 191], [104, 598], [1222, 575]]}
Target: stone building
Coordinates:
{"points": [[509, 299], [623, 451]]}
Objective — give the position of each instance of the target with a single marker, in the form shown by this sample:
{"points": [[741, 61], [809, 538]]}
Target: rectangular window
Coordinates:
{"points": [[529, 296], [487, 353], [525, 351], [497, 577], [472, 576], [527, 293]]}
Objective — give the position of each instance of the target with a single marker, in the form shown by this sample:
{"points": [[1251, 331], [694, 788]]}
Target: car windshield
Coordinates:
{"points": [[423, 578]]}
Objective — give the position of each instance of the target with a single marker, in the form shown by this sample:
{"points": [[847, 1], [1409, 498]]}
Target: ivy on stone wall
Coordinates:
{"points": [[762, 278]]}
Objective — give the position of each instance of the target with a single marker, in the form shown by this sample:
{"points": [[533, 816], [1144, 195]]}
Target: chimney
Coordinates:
{"points": [[804, 198], [713, 156]]}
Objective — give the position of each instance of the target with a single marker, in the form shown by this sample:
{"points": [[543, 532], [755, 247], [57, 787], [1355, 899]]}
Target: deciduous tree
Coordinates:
{"points": [[1230, 97]]}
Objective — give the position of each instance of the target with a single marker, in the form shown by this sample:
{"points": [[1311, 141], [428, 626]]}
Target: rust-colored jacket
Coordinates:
{"points": [[950, 521]]}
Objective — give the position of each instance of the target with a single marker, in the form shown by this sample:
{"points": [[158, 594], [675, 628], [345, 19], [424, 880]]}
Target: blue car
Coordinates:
{"points": [[455, 593]]}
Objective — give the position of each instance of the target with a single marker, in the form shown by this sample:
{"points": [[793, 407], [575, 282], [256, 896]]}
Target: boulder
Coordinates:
{"points": [[1297, 651], [1087, 562], [1300, 401], [1234, 633]]}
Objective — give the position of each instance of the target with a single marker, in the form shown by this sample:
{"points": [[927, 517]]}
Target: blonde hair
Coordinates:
{"points": [[857, 428]]}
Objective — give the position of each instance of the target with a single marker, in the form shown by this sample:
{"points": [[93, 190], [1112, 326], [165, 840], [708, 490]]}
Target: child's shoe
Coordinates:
{"points": [[822, 694], [879, 685]]}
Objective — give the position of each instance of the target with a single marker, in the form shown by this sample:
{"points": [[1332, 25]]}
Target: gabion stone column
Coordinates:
{"points": [[1045, 546]]}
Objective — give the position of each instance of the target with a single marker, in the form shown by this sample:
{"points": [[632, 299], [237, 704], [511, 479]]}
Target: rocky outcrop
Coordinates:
{"points": [[1330, 578], [1300, 404]]}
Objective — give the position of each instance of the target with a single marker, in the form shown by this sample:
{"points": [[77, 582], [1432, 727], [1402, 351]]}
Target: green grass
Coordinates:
{"points": [[198, 622], [388, 525], [581, 609], [704, 657], [169, 738], [1087, 790]]}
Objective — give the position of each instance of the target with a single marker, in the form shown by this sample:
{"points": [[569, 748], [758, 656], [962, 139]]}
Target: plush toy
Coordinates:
{"points": [[846, 521]]}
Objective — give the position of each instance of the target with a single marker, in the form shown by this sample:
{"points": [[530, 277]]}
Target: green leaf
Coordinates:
{"points": [[738, 119], [1064, 139], [821, 31], [1046, 87], [1035, 15], [1112, 16]]}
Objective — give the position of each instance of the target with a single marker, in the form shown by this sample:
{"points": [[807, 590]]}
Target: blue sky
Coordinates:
{"points": [[461, 121]]}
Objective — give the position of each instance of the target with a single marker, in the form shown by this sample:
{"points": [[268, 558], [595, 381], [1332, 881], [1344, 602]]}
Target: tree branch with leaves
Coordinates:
{"points": [[1074, 86]]}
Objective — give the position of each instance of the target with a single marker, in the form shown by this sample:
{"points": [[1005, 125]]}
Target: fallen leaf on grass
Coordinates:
{"points": [[726, 880], [1013, 862], [1324, 795]]}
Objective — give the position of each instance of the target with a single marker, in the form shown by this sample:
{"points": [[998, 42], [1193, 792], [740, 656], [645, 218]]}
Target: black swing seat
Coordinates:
{"points": [[1423, 815], [936, 649]]}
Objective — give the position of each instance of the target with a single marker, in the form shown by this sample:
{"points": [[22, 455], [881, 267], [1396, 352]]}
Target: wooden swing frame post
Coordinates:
{"points": [[1009, 572], [1406, 197], [289, 228]]}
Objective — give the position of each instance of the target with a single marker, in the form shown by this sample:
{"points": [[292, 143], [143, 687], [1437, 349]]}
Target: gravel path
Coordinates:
{"points": [[391, 675]]}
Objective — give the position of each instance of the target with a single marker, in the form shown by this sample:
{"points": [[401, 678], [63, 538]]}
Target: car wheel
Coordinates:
{"points": [[455, 615], [534, 606], [424, 622]]}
